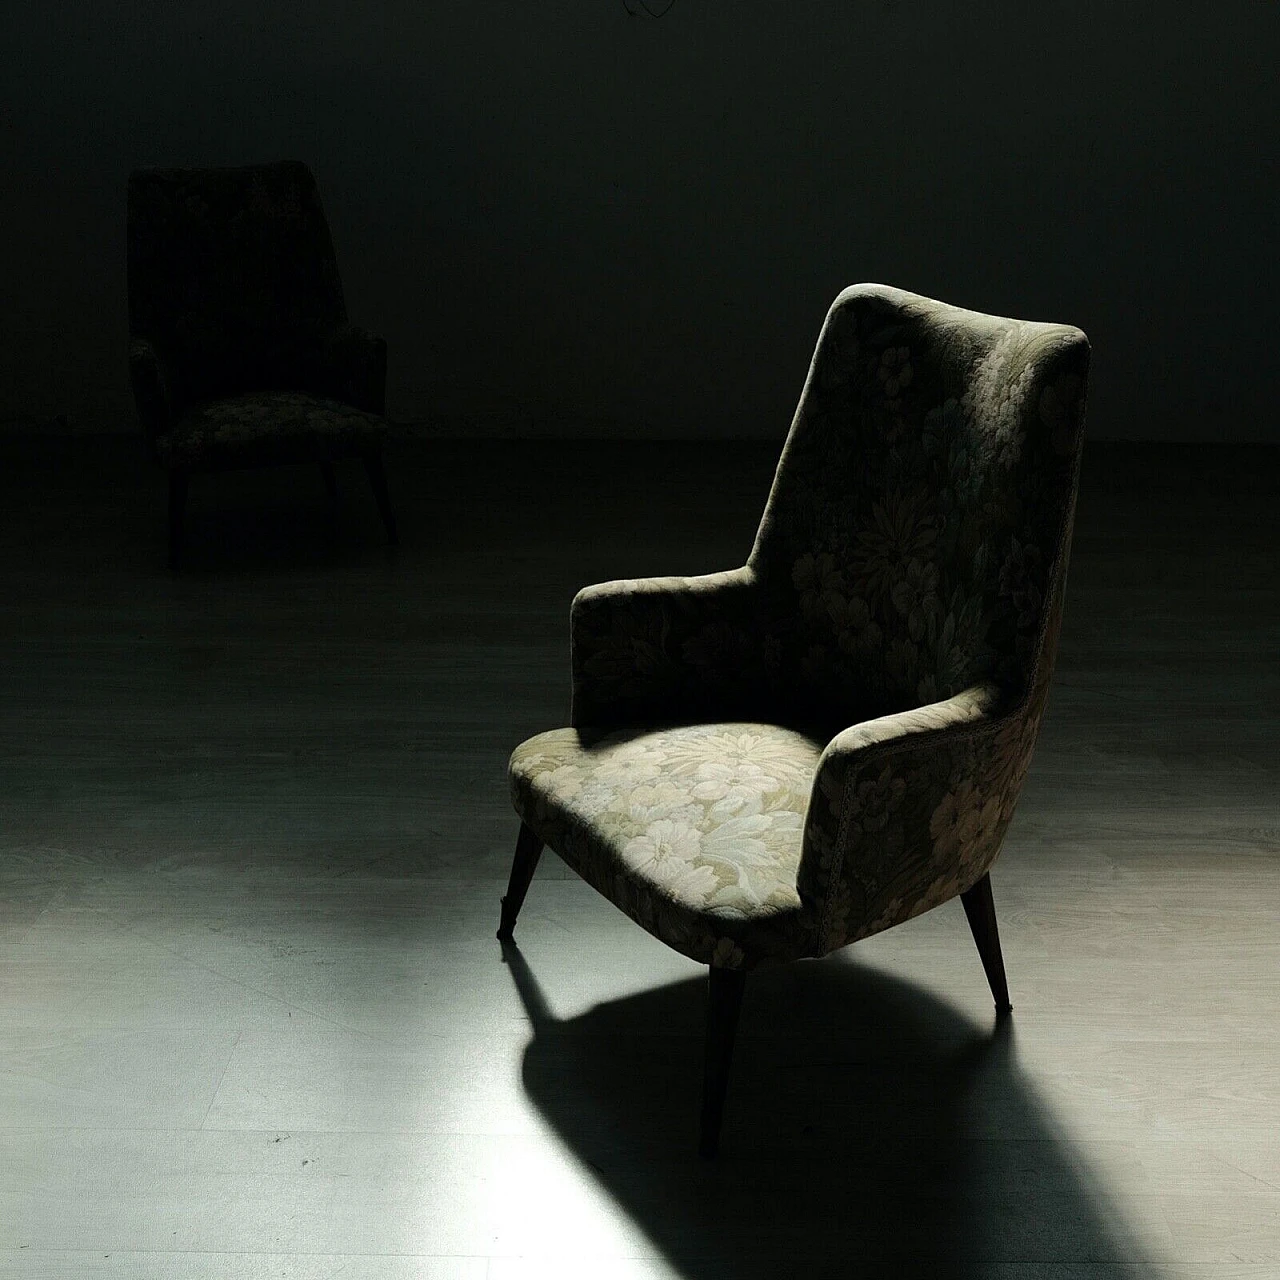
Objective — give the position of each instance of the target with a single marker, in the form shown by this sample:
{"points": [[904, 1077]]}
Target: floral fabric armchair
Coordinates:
{"points": [[240, 352], [770, 763]]}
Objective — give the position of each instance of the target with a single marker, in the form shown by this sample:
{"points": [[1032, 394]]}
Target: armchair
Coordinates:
{"points": [[240, 351], [771, 763]]}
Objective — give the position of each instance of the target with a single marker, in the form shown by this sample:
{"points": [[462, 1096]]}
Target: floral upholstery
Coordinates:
{"points": [[900, 606], [234, 289], [271, 426], [694, 831]]}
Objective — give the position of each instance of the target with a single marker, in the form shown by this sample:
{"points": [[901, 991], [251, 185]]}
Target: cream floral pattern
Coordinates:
{"points": [[900, 608], [268, 427], [697, 828]]}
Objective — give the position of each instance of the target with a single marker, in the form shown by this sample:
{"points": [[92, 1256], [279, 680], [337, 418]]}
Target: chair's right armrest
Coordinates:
{"points": [[666, 649], [910, 810], [154, 388]]}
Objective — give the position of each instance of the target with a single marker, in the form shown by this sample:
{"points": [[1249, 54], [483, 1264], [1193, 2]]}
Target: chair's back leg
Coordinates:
{"points": [[378, 482], [980, 908], [528, 851], [177, 506], [724, 1002]]}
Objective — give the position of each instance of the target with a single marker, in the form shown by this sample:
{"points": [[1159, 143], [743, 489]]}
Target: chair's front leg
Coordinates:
{"points": [[980, 908], [525, 863], [724, 1002]]}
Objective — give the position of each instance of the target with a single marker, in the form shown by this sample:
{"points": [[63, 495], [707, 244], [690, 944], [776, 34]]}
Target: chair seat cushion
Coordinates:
{"points": [[267, 427], [694, 831]]}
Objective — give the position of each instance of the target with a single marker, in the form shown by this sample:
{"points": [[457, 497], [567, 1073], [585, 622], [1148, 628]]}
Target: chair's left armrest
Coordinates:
{"points": [[910, 810], [666, 649], [353, 369], [154, 388]]}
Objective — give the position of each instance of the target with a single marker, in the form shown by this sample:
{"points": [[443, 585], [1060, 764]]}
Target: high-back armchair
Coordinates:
{"points": [[770, 763], [240, 349]]}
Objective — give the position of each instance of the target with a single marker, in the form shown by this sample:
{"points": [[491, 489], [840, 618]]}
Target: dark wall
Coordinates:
{"points": [[566, 220]]}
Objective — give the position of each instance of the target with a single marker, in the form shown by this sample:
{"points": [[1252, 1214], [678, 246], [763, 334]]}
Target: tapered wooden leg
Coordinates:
{"points": [[528, 851], [177, 505], [378, 482], [330, 480], [980, 908], [724, 1002]]}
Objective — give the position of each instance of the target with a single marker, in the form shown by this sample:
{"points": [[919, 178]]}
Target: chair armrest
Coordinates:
{"points": [[353, 369], [667, 650], [154, 388], [910, 810]]}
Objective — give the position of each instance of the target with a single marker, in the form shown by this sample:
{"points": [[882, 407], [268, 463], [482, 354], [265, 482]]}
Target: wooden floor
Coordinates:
{"points": [[254, 827]]}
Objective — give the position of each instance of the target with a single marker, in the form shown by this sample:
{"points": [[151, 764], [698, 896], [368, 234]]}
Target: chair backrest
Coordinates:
{"points": [[232, 275], [915, 540]]}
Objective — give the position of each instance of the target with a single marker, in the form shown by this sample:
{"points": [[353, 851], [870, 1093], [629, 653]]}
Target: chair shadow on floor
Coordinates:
{"points": [[870, 1130]]}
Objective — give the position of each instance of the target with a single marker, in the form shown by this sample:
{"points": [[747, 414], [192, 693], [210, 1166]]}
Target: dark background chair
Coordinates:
{"points": [[240, 350]]}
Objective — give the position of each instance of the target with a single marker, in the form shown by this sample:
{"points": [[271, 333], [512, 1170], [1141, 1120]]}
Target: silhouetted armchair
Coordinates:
{"points": [[240, 352], [770, 763]]}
